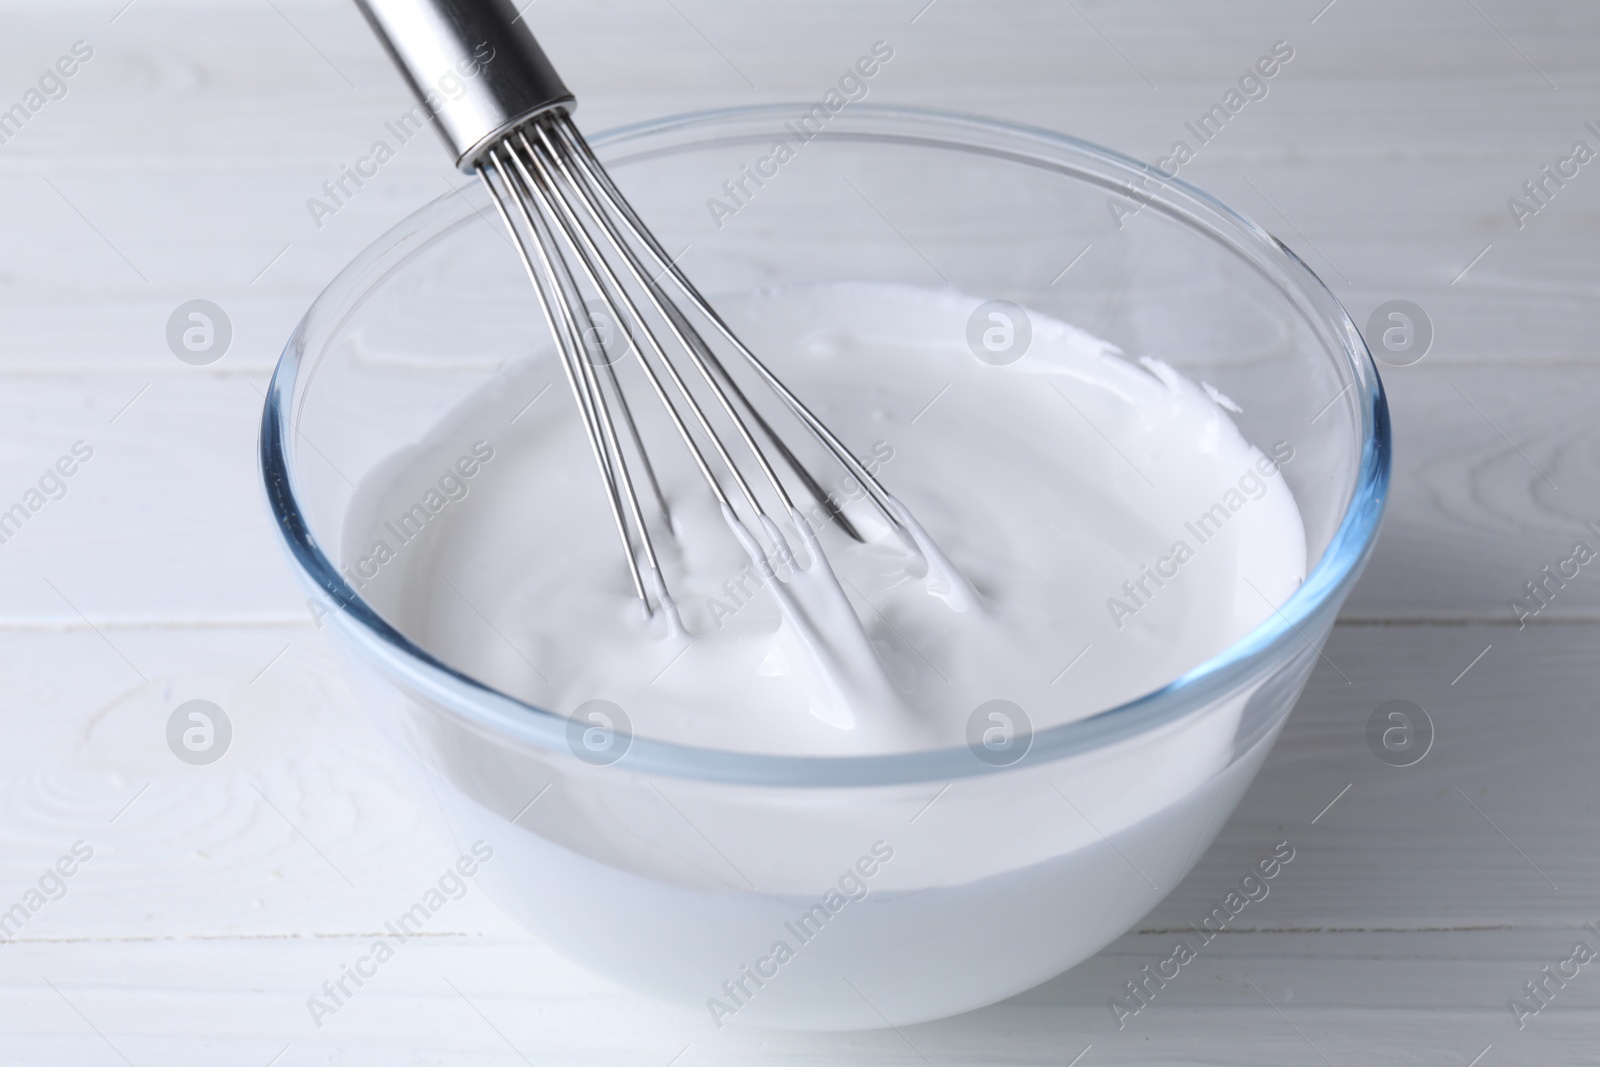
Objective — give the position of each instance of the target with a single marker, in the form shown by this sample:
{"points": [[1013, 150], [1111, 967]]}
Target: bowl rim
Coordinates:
{"points": [[501, 716]]}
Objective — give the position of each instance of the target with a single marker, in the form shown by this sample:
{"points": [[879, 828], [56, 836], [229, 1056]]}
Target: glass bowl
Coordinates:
{"points": [[840, 892]]}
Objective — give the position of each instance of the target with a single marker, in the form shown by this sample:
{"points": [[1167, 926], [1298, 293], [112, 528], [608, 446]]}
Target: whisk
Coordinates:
{"points": [[507, 117]]}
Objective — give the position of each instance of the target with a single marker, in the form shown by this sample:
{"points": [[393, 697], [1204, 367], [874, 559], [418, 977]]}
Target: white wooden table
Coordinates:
{"points": [[217, 898]]}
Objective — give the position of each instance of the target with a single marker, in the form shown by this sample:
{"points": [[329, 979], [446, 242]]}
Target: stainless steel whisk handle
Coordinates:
{"points": [[473, 65]]}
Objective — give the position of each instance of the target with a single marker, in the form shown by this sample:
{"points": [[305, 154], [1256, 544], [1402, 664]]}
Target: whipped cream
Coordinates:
{"points": [[1080, 529]]}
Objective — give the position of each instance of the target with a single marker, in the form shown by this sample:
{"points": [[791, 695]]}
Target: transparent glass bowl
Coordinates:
{"points": [[842, 893]]}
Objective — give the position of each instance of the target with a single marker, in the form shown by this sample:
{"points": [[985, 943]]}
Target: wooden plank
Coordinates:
{"points": [[1414, 1000], [1494, 480], [1393, 180]]}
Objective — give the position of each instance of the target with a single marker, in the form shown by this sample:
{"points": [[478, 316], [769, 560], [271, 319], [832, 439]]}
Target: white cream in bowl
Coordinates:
{"points": [[1116, 527]]}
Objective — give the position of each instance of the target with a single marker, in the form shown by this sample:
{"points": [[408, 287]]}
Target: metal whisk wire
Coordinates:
{"points": [[545, 177], [576, 234]]}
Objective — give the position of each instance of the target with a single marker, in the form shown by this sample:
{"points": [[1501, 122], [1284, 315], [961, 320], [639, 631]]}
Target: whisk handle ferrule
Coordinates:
{"points": [[473, 65]]}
